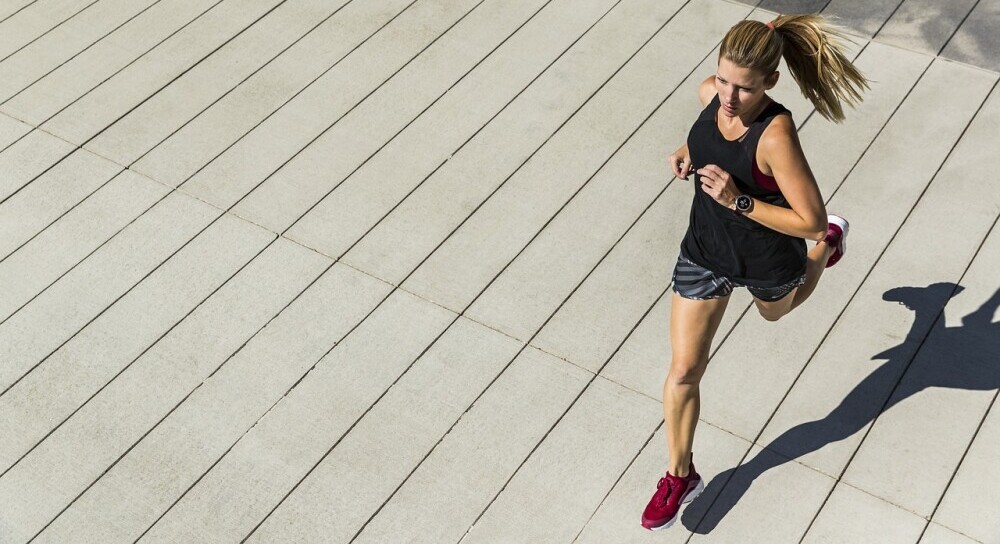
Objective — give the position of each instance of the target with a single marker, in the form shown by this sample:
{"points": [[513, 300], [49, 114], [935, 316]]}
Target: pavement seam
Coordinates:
{"points": [[929, 523]]}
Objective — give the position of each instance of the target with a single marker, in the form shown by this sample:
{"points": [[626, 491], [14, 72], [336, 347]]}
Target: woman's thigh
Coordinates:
{"points": [[693, 324]]}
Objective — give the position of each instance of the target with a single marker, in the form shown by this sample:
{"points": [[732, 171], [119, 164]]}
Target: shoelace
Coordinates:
{"points": [[663, 487]]}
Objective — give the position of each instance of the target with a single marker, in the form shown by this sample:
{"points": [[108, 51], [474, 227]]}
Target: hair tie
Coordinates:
{"points": [[770, 25]]}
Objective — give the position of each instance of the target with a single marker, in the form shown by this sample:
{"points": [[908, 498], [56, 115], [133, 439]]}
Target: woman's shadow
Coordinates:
{"points": [[968, 357]]}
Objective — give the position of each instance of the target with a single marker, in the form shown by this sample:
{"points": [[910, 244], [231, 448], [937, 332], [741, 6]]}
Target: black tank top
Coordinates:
{"points": [[718, 238]]}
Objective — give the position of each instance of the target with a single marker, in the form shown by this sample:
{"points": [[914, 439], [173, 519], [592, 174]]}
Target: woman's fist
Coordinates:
{"points": [[680, 163], [719, 185]]}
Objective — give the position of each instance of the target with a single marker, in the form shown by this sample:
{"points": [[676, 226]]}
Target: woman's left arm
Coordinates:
{"points": [[780, 150]]}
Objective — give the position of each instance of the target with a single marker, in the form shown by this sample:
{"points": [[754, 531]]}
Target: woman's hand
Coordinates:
{"points": [[680, 162], [719, 185]]}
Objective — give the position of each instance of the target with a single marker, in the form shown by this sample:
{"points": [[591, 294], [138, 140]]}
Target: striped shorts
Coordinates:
{"points": [[697, 283]]}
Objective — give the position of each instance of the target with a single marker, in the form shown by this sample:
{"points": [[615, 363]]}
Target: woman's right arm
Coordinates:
{"points": [[680, 161]]}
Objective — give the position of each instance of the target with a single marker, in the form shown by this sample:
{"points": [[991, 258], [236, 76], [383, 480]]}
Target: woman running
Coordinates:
{"points": [[755, 203]]}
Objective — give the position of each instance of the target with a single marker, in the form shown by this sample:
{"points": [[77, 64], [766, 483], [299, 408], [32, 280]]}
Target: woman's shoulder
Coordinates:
{"points": [[780, 132], [778, 142], [706, 91]]}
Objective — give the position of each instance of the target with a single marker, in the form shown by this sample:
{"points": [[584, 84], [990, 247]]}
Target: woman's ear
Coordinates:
{"points": [[771, 80]]}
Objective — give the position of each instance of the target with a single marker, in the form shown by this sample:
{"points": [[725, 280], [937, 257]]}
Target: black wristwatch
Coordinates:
{"points": [[744, 204]]}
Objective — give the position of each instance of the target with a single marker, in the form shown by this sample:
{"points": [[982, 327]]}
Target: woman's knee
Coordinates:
{"points": [[773, 311], [770, 314], [684, 372]]}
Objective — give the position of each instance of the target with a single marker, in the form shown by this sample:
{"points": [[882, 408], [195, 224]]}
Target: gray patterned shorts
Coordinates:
{"points": [[697, 283]]}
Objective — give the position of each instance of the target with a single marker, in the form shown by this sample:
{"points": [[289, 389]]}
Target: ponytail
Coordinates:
{"points": [[814, 55]]}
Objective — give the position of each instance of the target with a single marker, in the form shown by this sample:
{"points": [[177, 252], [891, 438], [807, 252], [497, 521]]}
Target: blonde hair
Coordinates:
{"points": [[813, 52]]}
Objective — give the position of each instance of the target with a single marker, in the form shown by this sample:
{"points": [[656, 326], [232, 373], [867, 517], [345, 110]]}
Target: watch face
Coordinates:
{"points": [[743, 203]]}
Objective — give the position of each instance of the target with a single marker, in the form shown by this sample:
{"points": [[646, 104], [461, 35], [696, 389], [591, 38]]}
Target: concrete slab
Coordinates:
{"points": [[38, 18], [969, 503], [51, 194], [417, 412], [61, 87], [323, 105], [850, 515], [562, 30], [766, 499], [484, 449], [291, 192], [404, 442], [11, 130], [11, 8], [132, 86], [83, 366], [47, 53], [536, 374], [185, 97], [27, 159], [185, 445], [861, 17], [976, 41], [791, 6], [213, 131], [467, 262], [555, 492], [56, 315], [77, 454], [49, 254], [924, 25]]}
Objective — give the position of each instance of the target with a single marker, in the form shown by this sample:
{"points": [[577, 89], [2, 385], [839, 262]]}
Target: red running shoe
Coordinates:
{"points": [[671, 492], [836, 237]]}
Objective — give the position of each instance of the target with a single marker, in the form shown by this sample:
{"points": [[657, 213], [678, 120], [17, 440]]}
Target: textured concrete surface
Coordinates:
{"points": [[399, 271]]}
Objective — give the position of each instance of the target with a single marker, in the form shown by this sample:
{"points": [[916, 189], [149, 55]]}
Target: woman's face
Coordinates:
{"points": [[740, 89]]}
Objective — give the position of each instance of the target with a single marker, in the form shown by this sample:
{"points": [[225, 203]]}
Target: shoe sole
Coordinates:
{"points": [[690, 497], [844, 227]]}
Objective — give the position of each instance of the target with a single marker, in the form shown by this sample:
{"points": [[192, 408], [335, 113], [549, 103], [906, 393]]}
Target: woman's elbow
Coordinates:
{"points": [[817, 231]]}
